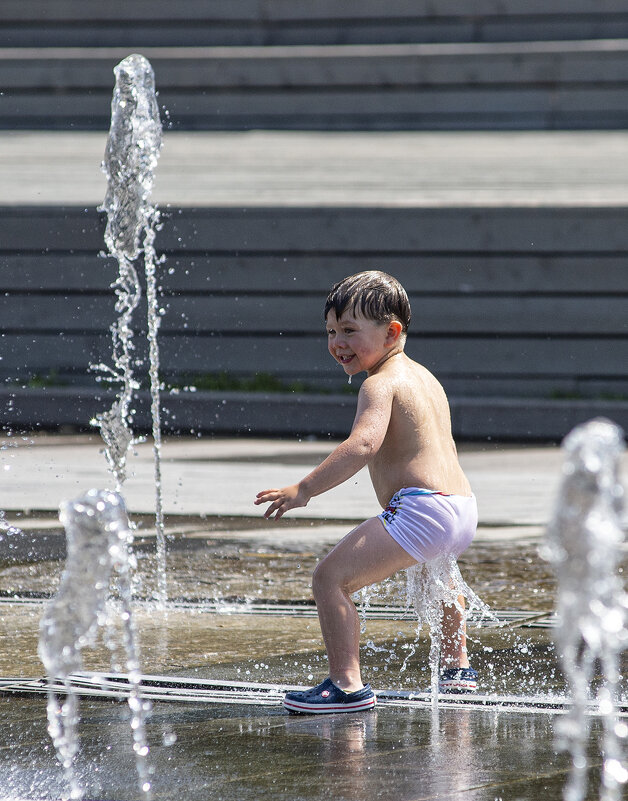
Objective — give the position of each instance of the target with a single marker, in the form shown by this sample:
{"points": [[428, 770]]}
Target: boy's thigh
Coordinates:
{"points": [[366, 555]]}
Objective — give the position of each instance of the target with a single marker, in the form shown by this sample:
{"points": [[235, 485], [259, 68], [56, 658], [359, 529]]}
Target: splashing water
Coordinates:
{"points": [[98, 549], [430, 587], [583, 544], [7, 531], [131, 155], [154, 319]]}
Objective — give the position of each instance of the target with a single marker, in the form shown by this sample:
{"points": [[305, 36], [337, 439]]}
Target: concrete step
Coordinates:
{"points": [[296, 415], [187, 23], [518, 300], [532, 85], [513, 308]]}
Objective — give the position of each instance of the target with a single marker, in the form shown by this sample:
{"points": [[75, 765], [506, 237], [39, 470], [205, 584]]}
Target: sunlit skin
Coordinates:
{"points": [[402, 433]]}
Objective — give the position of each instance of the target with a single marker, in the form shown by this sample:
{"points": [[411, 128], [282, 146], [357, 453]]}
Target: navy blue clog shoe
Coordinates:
{"points": [[326, 698]]}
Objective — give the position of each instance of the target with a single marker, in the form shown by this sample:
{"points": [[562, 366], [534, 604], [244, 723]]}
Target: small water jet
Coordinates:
{"points": [[131, 155], [430, 587], [98, 550], [584, 543]]}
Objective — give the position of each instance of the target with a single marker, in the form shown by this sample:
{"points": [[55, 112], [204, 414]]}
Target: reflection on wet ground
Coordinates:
{"points": [[236, 752]]}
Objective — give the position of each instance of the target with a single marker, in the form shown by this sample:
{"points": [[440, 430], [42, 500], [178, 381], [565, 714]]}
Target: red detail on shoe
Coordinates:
{"points": [[325, 693], [356, 706]]}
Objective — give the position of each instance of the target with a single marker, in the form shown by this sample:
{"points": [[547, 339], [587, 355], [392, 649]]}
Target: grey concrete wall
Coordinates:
{"points": [[535, 85], [324, 65], [150, 23], [295, 414], [514, 309]]}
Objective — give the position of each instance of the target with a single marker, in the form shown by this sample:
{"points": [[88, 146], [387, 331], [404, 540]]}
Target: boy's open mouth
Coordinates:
{"points": [[345, 359]]}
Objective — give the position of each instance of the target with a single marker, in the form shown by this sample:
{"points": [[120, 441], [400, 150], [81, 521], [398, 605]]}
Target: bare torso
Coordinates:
{"points": [[418, 449]]}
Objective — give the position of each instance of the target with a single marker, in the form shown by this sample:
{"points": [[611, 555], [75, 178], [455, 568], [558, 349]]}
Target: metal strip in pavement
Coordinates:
{"points": [[502, 617], [211, 691]]}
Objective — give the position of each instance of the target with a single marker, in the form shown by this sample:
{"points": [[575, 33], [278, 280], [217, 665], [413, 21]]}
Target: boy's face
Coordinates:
{"points": [[358, 343]]}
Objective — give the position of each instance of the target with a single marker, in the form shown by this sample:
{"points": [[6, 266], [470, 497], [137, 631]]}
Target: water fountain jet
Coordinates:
{"points": [[98, 549], [584, 543], [131, 155]]}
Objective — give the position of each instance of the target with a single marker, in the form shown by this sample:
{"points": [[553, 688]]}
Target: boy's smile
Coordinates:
{"points": [[358, 343]]}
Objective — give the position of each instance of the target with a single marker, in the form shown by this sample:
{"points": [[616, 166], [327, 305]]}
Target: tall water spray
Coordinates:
{"points": [[584, 543], [131, 156], [98, 546]]}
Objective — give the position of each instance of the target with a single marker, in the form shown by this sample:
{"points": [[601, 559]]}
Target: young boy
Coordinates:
{"points": [[402, 431]]}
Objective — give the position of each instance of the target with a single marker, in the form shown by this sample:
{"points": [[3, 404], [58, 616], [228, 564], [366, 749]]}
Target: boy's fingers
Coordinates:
{"points": [[278, 503], [276, 507], [265, 495], [269, 512]]}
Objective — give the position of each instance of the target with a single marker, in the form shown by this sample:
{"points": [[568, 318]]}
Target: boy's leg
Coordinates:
{"points": [[366, 555], [454, 643]]}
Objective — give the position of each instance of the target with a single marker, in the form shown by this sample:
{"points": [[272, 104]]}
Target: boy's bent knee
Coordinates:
{"points": [[326, 577], [320, 577]]}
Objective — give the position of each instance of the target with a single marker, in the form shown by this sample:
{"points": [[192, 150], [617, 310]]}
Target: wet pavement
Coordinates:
{"points": [[241, 610], [213, 476], [236, 753]]}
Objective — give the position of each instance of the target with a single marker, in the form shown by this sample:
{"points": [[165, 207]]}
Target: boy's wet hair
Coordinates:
{"points": [[378, 296]]}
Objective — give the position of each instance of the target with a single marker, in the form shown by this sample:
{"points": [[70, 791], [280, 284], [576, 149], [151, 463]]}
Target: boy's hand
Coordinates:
{"points": [[281, 500]]}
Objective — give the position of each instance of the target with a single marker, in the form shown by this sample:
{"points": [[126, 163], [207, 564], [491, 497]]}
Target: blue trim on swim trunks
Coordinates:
{"points": [[396, 502]]}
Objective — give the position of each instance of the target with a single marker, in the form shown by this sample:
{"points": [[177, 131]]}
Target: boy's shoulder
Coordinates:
{"points": [[405, 376], [398, 375], [401, 367]]}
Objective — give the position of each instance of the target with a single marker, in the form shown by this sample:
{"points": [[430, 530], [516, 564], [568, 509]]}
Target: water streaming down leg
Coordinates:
{"points": [[430, 587], [427, 588], [131, 155], [583, 543], [98, 550]]}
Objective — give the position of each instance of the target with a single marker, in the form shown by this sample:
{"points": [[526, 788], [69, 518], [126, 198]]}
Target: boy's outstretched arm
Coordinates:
{"points": [[367, 434]]}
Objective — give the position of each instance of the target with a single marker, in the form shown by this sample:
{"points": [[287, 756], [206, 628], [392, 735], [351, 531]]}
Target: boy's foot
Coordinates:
{"points": [[326, 698], [458, 680]]}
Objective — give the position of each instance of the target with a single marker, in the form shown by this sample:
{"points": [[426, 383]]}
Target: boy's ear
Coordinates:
{"points": [[395, 330]]}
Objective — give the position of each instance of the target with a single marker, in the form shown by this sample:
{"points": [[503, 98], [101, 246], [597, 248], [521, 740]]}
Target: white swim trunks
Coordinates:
{"points": [[427, 523]]}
